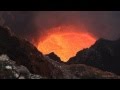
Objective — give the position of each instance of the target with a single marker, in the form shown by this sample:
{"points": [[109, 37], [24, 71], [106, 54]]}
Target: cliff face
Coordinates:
{"points": [[24, 53], [19, 59], [104, 54]]}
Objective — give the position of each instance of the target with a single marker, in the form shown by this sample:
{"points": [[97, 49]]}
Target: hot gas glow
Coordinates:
{"points": [[65, 42]]}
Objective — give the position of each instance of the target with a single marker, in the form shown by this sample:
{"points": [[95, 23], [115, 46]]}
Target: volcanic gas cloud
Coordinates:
{"points": [[64, 41]]}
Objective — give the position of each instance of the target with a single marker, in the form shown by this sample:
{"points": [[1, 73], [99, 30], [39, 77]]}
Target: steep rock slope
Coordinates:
{"points": [[104, 54], [24, 53], [82, 71]]}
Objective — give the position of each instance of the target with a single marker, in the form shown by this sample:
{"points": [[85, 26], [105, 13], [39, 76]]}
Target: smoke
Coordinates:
{"points": [[103, 24], [32, 24]]}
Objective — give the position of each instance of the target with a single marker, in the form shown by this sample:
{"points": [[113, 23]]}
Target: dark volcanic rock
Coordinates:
{"points": [[10, 70], [24, 53], [32, 64], [104, 54], [81, 71], [53, 56]]}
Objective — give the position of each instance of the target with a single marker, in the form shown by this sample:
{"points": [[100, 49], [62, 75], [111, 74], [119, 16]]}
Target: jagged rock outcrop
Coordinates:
{"points": [[24, 53], [104, 54], [19, 59], [10, 70], [81, 71], [53, 56]]}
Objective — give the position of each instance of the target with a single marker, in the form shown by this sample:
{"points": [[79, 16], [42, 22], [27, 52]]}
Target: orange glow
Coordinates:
{"points": [[65, 43]]}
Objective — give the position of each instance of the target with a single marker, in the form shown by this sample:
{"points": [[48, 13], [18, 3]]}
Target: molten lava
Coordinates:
{"points": [[65, 43]]}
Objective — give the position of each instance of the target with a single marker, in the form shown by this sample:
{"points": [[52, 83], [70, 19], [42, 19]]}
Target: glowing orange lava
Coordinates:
{"points": [[65, 44]]}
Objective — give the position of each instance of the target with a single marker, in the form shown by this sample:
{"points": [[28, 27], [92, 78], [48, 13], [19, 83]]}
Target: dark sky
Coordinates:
{"points": [[102, 24]]}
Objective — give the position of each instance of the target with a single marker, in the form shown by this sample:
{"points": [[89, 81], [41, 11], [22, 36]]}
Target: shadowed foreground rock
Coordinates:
{"points": [[104, 54], [24, 53], [19, 59], [81, 71], [10, 70]]}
